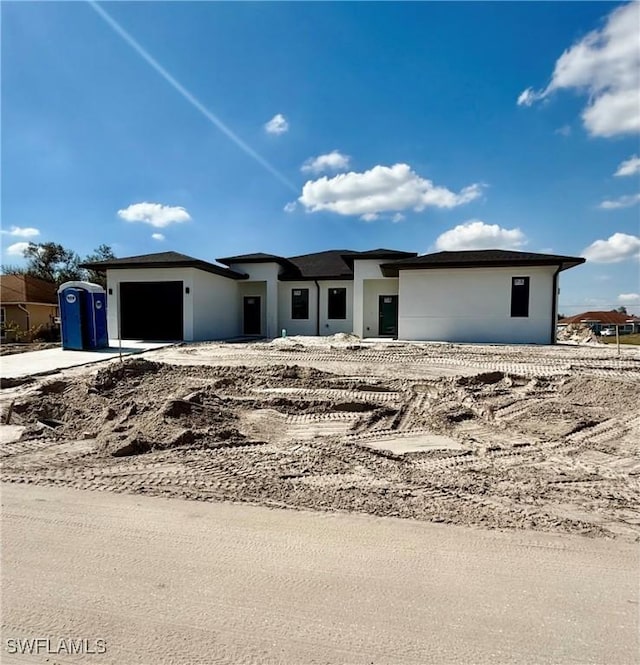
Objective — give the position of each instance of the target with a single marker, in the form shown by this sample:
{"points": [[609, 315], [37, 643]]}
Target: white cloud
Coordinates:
{"points": [[475, 234], [605, 65], [156, 214], [629, 298], [621, 202], [398, 217], [332, 161], [528, 97], [630, 166], [618, 247], [17, 249], [370, 216], [22, 232], [290, 207], [565, 130], [277, 125], [381, 189], [157, 236]]}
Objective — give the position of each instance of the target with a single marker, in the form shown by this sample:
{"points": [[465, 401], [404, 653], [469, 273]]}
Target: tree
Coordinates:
{"points": [[55, 263], [51, 261], [101, 253], [622, 309]]}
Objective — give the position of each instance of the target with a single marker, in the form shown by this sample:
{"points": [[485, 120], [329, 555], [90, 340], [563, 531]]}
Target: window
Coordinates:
{"points": [[3, 316], [520, 296], [337, 308], [300, 303]]}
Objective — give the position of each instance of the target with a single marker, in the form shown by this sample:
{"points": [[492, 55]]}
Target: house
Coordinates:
{"points": [[468, 296], [27, 302], [597, 321]]}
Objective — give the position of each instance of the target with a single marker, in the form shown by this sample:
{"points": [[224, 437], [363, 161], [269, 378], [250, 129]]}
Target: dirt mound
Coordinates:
{"points": [[577, 333]]}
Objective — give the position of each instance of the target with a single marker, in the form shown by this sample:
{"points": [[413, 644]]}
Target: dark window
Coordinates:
{"points": [[300, 303], [337, 304], [519, 296]]}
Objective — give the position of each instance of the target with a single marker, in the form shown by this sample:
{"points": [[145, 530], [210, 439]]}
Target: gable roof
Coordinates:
{"points": [[164, 260], [600, 317], [19, 289], [480, 258]]}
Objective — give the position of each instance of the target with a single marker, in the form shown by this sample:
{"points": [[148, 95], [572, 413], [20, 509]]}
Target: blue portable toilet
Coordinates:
{"points": [[83, 316]]}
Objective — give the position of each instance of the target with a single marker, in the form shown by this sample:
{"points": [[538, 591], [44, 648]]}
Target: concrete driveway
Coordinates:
{"points": [[34, 363]]}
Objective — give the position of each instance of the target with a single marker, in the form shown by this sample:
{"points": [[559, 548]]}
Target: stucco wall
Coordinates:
{"points": [[373, 289], [267, 273], [215, 306], [473, 305], [249, 288], [332, 326], [297, 326], [365, 319], [116, 276]]}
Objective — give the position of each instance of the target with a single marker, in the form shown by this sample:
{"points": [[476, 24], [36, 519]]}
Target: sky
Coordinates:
{"points": [[218, 128]]}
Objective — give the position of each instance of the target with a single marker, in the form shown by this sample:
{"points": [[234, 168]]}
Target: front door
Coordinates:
{"points": [[388, 315], [252, 315]]}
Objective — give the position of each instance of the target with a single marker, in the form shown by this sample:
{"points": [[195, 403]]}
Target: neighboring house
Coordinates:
{"points": [[27, 302], [597, 321], [470, 296]]}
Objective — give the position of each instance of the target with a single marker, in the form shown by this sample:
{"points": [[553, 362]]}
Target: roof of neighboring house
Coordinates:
{"points": [[19, 289], [330, 264], [600, 317], [164, 260], [480, 258]]}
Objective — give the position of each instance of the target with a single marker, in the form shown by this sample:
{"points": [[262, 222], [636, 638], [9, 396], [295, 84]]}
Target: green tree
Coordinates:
{"points": [[55, 263], [622, 309], [101, 253]]}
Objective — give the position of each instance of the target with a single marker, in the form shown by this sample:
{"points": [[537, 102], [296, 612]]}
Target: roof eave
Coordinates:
{"points": [[392, 269]]}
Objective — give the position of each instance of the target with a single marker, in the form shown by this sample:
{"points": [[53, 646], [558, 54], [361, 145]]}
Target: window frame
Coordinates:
{"points": [[520, 297], [332, 306], [304, 295]]}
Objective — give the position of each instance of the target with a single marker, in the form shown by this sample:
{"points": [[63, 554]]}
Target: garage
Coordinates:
{"points": [[152, 311]]}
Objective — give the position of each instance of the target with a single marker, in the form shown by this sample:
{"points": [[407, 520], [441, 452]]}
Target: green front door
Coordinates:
{"points": [[388, 316]]}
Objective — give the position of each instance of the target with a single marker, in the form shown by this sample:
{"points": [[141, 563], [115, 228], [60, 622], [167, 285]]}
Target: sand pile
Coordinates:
{"points": [[495, 449], [577, 333]]}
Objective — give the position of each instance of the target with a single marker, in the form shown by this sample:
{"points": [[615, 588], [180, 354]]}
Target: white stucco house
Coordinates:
{"points": [[494, 296]]}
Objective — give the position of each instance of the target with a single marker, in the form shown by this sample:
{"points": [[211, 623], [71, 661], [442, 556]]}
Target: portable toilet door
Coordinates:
{"points": [[72, 318], [97, 305], [83, 316]]}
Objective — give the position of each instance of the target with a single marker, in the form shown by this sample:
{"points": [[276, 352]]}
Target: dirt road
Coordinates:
{"points": [[171, 581]]}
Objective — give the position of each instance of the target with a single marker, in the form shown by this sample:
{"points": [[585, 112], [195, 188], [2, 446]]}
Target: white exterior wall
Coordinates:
{"points": [[215, 306], [474, 305], [117, 275], [297, 326], [268, 273], [373, 289], [368, 284], [247, 288], [332, 326]]}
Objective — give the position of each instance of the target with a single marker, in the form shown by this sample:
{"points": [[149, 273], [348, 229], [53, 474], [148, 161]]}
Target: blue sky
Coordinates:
{"points": [[222, 128]]}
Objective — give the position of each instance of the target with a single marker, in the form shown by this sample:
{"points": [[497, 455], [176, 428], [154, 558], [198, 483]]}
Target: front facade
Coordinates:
{"points": [[27, 304], [488, 296]]}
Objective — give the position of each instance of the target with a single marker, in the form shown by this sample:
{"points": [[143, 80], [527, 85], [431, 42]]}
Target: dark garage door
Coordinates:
{"points": [[151, 310]]}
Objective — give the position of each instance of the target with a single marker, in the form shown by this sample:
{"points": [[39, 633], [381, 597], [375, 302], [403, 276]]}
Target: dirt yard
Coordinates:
{"points": [[509, 437]]}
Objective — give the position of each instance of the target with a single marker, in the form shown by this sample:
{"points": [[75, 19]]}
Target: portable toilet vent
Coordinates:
{"points": [[83, 316]]}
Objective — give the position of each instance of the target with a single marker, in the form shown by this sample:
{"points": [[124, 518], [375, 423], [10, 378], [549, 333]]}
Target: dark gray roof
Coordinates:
{"points": [[164, 260], [320, 265], [330, 264], [480, 258], [257, 257]]}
